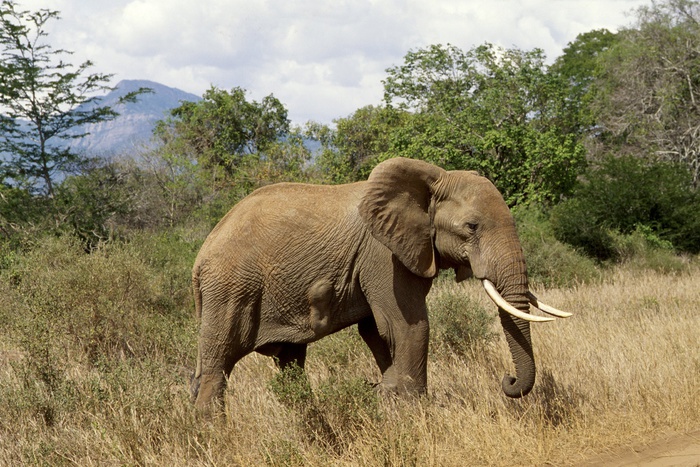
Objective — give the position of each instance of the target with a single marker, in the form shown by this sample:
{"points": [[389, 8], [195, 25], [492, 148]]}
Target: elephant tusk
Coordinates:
{"points": [[546, 308], [505, 306]]}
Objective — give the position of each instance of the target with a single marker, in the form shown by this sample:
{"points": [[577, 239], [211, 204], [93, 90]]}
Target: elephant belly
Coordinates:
{"points": [[305, 314]]}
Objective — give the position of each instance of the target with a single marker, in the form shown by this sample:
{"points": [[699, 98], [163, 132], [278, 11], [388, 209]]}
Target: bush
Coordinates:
{"points": [[458, 323], [90, 204], [549, 261], [643, 249], [22, 216], [110, 302], [624, 195]]}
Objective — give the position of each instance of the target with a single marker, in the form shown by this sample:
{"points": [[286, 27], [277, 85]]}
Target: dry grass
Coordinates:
{"points": [[623, 370]]}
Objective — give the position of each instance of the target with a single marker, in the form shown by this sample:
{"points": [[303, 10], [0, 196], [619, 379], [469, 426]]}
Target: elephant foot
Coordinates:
{"points": [[401, 385], [209, 397]]}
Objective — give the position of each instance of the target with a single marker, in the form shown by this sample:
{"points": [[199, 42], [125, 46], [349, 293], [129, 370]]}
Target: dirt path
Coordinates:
{"points": [[677, 451]]}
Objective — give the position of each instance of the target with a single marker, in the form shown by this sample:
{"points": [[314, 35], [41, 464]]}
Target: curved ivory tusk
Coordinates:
{"points": [[546, 308], [504, 305]]}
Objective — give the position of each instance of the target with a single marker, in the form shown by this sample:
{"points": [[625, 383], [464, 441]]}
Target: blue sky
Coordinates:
{"points": [[322, 59]]}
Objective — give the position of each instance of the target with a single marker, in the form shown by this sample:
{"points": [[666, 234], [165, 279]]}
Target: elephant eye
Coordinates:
{"points": [[472, 226]]}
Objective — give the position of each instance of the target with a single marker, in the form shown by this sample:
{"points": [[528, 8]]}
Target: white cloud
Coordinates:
{"points": [[322, 59]]}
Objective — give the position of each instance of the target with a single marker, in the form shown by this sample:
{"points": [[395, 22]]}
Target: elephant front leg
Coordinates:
{"points": [[408, 372], [376, 343], [398, 339]]}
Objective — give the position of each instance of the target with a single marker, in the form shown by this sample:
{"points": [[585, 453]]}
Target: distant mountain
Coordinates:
{"points": [[133, 128]]}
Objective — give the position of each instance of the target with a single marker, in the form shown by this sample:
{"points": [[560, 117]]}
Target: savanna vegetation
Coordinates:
{"points": [[596, 154]]}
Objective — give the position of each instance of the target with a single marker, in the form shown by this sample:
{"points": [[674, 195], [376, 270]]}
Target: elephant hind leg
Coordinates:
{"points": [[226, 336], [207, 387]]}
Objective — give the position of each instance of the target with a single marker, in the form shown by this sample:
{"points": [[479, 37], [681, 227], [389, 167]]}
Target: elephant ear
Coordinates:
{"points": [[395, 208]]}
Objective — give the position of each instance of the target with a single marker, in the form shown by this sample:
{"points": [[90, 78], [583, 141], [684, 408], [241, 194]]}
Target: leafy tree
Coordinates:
{"points": [[217, 150], [649, 87], [357, 143], [496, 111], [43, 101], [578, 66], [224, 127]]}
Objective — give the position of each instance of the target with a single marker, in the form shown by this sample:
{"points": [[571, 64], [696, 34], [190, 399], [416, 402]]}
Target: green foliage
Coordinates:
{"points": [[357, 144], [579, 61], [102, 340], [340, 349], [550, 262], [579, 66], [291, 387], [22, 214], [218, 150], [224, 127], [458, 324], [44, 99], [625, 195], [282, 452], [89, 205], [643, 249], [108, 302], [496, 111], [349, 403], [168, 185]]}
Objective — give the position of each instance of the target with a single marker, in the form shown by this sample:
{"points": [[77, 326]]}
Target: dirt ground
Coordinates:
{"points": [[679, 450]]}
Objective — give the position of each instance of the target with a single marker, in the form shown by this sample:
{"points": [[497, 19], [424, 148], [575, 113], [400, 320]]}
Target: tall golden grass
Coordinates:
{"points": [[623, 370]]}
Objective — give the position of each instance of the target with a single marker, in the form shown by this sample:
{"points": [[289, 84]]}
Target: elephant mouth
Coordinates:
{"points": [[463, 272], [534, 301]]}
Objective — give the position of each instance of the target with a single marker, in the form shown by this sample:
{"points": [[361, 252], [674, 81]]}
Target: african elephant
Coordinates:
{"points": [[292, 263]]}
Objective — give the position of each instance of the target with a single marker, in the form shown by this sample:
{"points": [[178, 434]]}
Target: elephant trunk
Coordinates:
{"points": [[517, 333], [513, 286]]}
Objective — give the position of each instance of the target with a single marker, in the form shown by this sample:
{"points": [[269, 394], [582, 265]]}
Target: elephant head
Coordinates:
{"points": [[435, 219]]}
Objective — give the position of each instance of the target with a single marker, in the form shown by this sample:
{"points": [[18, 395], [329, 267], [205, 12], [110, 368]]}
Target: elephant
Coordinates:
{"points": [[292, 263]]}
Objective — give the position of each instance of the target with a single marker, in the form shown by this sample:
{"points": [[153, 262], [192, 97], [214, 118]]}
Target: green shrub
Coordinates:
{"points": [[109, 302], [291, 387], [624, 195], [90, 204], [339, 350], [348, 403], [458, 323], [334, 413], [65, 309], [549, 261], [645, 250], [574, 225]]}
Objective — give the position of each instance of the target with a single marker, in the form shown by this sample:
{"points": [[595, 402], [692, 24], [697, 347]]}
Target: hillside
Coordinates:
{"points": [[134, 126]]}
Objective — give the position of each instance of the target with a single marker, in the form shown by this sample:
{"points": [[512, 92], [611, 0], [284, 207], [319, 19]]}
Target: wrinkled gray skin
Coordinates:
{"points": [[292, 263]]}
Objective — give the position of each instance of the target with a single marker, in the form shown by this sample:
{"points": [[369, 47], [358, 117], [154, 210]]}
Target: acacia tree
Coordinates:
{"points": [[649, 86], [44, 101]]}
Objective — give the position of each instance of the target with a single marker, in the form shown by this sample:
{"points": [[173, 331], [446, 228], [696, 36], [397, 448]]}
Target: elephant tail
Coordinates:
{"points": [[197, 293]]}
